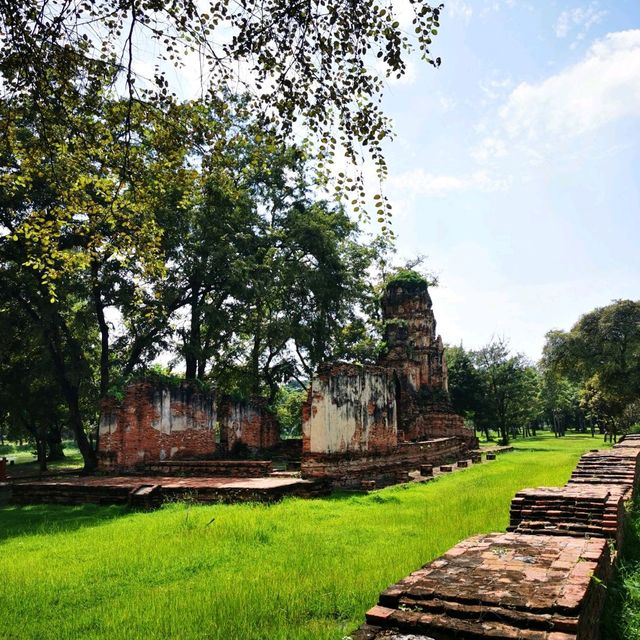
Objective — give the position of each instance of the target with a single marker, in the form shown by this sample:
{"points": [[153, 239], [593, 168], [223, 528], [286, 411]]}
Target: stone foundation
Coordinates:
{"points": [[393, 467], [617, 466], [151, 491], [212, 468], [499, 586], [581, 510]]}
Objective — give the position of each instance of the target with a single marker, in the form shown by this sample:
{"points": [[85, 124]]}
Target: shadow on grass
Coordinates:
{"points": [[622, 591], [45, 519]]}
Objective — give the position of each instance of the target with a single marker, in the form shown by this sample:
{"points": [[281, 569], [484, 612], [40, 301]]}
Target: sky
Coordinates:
{"points": [[516, 165]]}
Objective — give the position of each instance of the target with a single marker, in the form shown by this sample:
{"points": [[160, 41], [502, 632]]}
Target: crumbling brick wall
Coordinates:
{"points": [[350, 430], [416, 354], [247, 426], [384, 468], [544, 580], [351, 410], [156, 422]]}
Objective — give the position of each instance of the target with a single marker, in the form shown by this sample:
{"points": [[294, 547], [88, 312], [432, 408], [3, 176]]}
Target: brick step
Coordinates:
{"points": [[213, 468], [441, 625]]}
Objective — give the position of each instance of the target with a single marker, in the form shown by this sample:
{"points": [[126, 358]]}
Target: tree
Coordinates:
{"points": [[75, 230], [601, 353], [495, 389], [302, 60], [30, 400], [465, 382], [288, 407], [560, 401], [509, 386]]}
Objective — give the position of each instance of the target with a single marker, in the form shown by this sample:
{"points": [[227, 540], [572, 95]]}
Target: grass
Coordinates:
{"points": [[622, 609], [25, 462], [297, 569]]}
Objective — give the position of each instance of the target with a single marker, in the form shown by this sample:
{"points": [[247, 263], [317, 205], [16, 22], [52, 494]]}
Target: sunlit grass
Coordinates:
{"points": [[25, 462], [298, 569]]}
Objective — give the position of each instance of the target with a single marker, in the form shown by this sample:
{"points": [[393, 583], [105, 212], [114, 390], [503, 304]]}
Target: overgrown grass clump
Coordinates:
{"points": [[298, 569], [622, 610]]}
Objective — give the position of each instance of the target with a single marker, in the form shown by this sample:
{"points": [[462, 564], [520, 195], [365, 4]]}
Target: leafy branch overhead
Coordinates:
{"points": [[320, 62]]}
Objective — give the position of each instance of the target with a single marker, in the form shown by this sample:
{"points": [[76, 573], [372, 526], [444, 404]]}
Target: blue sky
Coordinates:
{"points": [[515, 165]]}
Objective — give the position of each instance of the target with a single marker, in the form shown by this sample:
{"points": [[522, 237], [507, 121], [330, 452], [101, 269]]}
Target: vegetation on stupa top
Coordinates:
{"points": [[407, 278]]}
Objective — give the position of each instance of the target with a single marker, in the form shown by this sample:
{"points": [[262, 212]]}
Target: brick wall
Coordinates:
{"points": [[441, 424], [247, 426], [351, 409], [156, 422], [349, 470]]}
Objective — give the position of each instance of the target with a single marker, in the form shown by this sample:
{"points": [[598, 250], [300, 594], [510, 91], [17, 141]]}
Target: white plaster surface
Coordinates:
{"points": [[340, 404]]}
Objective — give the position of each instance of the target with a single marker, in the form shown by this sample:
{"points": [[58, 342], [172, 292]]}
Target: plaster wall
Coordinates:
{"points": [[351, 409]]}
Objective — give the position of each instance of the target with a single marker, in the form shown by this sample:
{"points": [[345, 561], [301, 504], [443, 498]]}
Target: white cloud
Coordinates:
{"points": [[445, 102], [420, 182], [495, 88], [498, 5], [459, 9], [579, 19], [603, 87], [562, 114], [489, 149]]}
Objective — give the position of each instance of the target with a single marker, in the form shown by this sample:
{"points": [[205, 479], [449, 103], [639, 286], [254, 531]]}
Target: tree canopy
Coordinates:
{"points": [[250, 279], [323, 63], [601, 354]]}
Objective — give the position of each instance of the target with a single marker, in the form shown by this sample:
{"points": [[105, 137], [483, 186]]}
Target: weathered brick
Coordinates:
{"points": [[156, 422]]}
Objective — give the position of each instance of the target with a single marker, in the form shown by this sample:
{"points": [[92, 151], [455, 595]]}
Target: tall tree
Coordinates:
{"points": [[601, 353], [509, 389], [74, 226], [465, 382]]}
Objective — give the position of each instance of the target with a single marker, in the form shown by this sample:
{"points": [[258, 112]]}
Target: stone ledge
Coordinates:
{"points": [[497, 586]]}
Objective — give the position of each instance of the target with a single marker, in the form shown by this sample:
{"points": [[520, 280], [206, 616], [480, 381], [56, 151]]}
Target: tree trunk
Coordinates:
{"points": [[71, 393], [104, 331], [255, 353], [41, 449], [75, 421], [192, 344], [54, 443], [504, 434]]}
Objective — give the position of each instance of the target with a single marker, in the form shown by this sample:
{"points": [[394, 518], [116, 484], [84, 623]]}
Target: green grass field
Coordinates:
{"points": [[25, 462], [298, 569]]}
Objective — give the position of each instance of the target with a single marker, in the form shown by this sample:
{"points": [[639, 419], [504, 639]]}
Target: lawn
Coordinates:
{"points": [[298, 569], [26, 464]]}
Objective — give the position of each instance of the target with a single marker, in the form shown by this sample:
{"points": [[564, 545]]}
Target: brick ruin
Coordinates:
{"points": [[156, 423], [364, 422], [361, 423], [415, 353], [545, 579], [247, 426]]}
